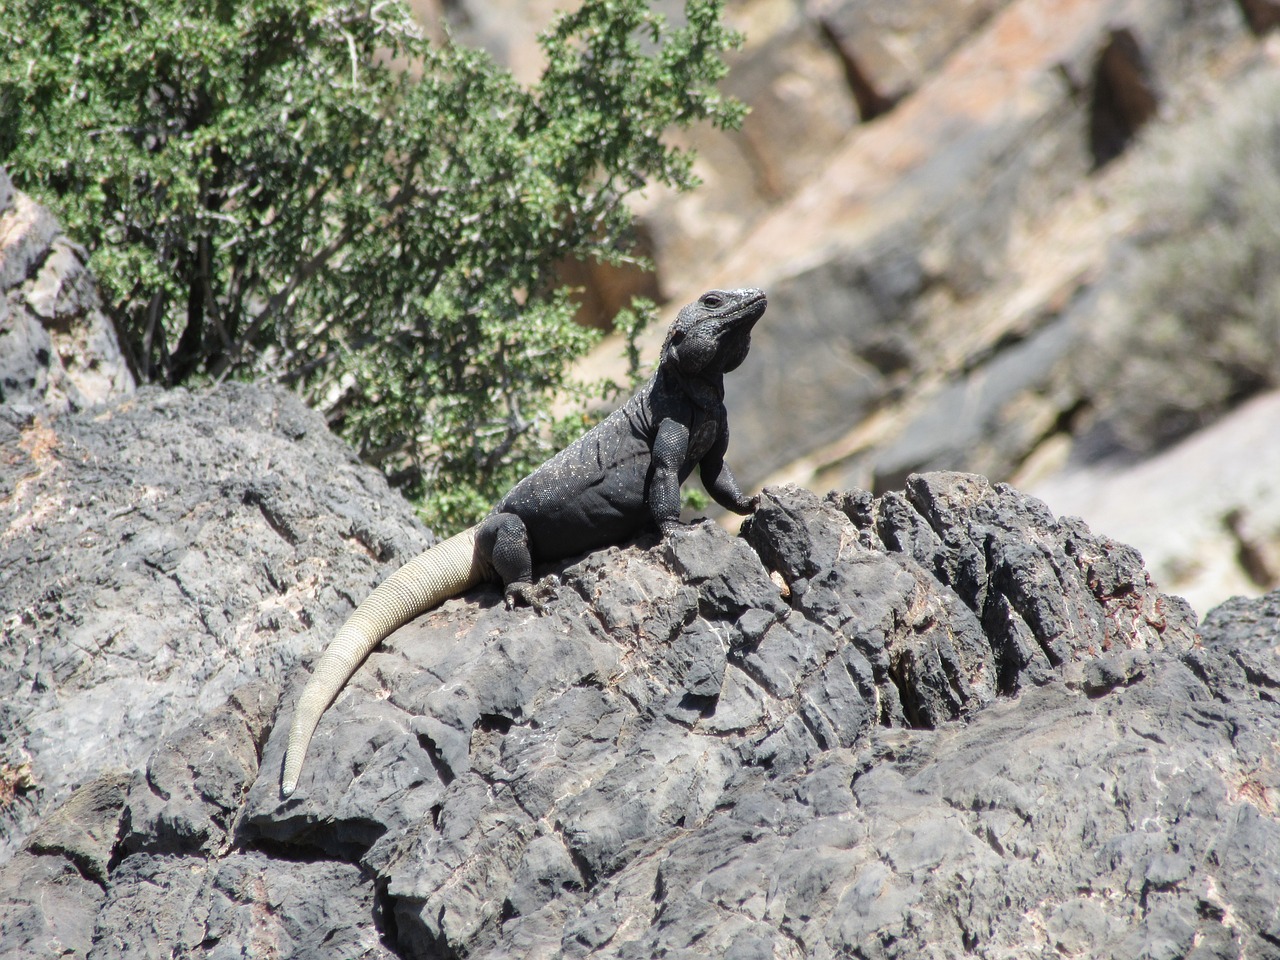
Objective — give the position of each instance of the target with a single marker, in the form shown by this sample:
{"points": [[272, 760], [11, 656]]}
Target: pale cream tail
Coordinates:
{"points": [[430, 578]]}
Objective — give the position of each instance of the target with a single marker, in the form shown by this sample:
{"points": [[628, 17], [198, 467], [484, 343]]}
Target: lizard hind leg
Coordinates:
{"points": [[503, 539]]}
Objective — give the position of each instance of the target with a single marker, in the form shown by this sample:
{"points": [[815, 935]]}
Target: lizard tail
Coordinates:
{"points": [[430, 578]]}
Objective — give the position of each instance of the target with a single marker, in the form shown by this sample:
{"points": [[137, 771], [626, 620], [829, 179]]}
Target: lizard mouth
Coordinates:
{"points": [[745, 313], [733, 329]]}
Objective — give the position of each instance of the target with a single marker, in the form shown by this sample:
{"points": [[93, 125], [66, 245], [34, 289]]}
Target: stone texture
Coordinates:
{"points": [[939, 722], [57, 347], [891, 49], [52, 891], [158, 553], [802, 108], [917, 216]]}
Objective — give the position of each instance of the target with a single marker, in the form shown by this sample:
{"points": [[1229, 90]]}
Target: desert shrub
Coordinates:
{"points": [[310, 191]]}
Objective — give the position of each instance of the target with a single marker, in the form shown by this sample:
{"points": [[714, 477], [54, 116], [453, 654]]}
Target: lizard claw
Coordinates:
{"points": [[519, 594]]}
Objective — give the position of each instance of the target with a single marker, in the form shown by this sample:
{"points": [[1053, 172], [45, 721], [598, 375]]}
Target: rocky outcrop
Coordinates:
{"points": [[58, 349], [937, 722], [157, 554], [941, 721]]}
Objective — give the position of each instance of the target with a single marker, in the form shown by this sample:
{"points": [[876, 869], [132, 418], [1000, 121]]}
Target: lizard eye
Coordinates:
{"points": [[677, 336], [712, 300]]}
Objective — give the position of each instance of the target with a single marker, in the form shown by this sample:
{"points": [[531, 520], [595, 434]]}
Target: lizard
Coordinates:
{"points": [[619, 479]]}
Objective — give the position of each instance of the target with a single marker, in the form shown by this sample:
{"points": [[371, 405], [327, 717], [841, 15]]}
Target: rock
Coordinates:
{"points": [[52, 891], [889, 51], [920, 215], [57, 346], [936, 722], [1220, 482], [1262, 15], [246, 904], [85, 829], [802, 108], [196, 779], [840, 323], [159, 553]]}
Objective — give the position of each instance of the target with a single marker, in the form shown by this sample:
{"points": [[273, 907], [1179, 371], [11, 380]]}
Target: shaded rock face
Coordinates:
{"points": [[940, 722], [937, 230]]}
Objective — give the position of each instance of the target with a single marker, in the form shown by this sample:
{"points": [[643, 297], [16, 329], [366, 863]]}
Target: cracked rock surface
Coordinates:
{"points": [[937, 723], [155, 555]]}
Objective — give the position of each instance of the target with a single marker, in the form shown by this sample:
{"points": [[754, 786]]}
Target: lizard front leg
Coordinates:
{"points": [[719, 479], [504, 542], [670, 446]]}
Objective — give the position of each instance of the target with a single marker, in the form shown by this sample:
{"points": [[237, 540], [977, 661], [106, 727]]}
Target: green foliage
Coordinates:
{"points": [[267, 190], [693, 498]]}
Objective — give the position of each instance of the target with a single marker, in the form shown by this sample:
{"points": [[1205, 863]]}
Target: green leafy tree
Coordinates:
{"points": [[311, 191]]}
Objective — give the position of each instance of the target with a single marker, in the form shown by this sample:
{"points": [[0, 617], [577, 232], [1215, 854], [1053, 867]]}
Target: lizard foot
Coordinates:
{"points": [[672, 528], [518, 594]]}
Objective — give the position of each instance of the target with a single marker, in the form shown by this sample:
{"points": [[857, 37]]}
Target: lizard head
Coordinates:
{"points": [[712, 334]]}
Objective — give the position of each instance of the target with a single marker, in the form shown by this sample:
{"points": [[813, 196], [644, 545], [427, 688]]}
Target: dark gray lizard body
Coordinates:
{"points": [[619, 479]]}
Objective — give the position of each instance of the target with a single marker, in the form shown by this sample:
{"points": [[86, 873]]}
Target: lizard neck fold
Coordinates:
{"points": [[705, 391]]}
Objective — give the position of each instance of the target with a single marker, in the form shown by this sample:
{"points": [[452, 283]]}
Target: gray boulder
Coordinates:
{"points": [[941, 722], [159, 553]]}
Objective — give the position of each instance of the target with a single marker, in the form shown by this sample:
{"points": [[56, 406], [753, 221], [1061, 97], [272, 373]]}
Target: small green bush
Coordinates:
{"points": [[310, 191]]}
